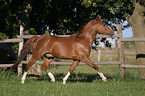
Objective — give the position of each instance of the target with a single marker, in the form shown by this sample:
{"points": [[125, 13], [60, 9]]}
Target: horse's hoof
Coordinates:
{"points": [[22, 82], [105, 80], [52, 81], [63, 83]]}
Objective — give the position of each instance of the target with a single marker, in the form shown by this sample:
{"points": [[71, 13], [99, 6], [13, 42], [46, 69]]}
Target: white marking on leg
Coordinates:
{"points": [[24, 77], [102, 76], [51, 77], [65, 78]]}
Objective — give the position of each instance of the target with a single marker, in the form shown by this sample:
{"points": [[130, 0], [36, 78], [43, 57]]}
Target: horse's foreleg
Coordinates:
{"points": [[73, 66], [90, 63], [45, 65]]}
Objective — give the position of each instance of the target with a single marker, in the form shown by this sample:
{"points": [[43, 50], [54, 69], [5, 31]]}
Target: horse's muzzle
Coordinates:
{"points": [[111, 33]]}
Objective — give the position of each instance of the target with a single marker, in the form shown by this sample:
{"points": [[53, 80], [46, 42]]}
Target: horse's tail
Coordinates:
{"points": [[26, 49]]}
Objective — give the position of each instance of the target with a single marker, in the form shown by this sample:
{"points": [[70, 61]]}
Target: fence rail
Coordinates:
{"points": [[81, 63], [97, 36], [6, 65], [65, 63], [133, 39], [133, 66], [10, 40]]}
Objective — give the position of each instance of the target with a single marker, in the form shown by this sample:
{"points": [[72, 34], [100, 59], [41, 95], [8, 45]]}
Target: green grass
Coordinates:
{"points": [[96, 88], [83, 82]]}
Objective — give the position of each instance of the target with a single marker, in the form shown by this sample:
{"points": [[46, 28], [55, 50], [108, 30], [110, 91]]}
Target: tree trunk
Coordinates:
{"points": [[137, 21]]}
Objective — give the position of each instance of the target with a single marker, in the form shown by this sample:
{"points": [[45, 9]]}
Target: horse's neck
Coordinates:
{"points": [[87, 35]]}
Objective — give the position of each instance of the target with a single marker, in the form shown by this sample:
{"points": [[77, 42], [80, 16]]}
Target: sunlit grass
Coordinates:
{"points": [[83, 82]]}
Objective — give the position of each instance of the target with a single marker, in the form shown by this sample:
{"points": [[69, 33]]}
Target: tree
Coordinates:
{"points": [[137, 21], [8, 24], [60, 16]]}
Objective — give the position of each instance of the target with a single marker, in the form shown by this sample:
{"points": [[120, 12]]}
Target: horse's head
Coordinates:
{"points": [[101, 27]]}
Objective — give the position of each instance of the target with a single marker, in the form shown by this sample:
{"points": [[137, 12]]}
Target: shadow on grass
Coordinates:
{"points": [[88, 77], [74, 77]]}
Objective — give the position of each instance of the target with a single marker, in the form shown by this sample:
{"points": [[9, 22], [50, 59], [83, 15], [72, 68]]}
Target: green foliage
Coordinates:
{"points": [[112, 10], [46, 32], [3, 36], [31, 31], [62, 17], [8, 18]]}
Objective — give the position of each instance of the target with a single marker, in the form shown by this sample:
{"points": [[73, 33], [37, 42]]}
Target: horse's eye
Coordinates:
{"points": [[104, 25]]}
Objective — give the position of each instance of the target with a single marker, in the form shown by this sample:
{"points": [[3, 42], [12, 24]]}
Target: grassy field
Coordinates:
{"points": [[83, 82]]}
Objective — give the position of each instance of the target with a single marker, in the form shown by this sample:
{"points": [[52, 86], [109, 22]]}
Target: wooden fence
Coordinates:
{"points": [[120, 62]]}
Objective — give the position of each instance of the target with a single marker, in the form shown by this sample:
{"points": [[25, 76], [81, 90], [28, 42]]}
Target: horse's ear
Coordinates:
{"points": [[98, 18]]}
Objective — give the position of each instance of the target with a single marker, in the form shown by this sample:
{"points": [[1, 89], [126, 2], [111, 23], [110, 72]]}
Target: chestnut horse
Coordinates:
{"points": [[76, 47]]}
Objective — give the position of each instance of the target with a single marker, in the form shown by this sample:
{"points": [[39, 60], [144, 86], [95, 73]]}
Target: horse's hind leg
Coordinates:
{"points": [[35, 56], [28, 66], [90, 63], [73, 66], [47, 61]]}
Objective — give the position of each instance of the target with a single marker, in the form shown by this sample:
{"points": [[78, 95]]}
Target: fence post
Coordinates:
{"points": [[99, 55], [120, 50], [20, 48]]}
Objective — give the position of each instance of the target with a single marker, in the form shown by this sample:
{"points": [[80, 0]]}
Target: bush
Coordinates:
{"points": [[3, 36]]}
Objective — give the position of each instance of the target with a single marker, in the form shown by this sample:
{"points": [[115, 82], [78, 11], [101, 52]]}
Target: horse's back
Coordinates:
{"points": [[61, 47]]}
